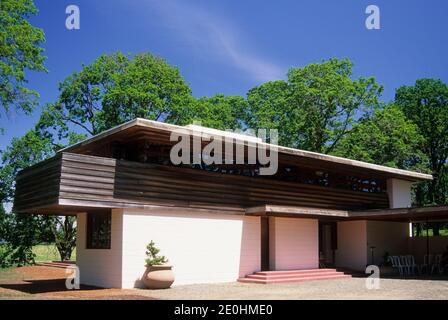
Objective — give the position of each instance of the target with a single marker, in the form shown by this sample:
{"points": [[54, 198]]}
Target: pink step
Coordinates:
{"points": [[293, 275], [294, 271], [294, 279], [286, 276]]}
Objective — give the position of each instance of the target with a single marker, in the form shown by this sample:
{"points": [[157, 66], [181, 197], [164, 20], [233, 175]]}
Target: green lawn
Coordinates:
{"points": [[48, 252], [442, 232], [7, 274]]}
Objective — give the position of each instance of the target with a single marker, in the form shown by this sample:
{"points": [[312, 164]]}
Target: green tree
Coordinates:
{"points": [[114, 89], [22, 231], [315, 107], [269, 108], [387, 138], [147, 88], [426, 104], [64, 234], [218, 112], [20, 50], [20, 154]]}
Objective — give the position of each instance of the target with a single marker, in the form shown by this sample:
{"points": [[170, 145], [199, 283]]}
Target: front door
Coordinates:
{"points": [[327, 243]]}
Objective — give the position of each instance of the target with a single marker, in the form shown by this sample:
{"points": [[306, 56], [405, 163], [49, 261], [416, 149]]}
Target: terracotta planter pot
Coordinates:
{"points": [[158, 277]]}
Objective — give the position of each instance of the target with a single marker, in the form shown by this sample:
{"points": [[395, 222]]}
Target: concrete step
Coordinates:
{"points": [[294, 279], [293, 275], [286, 276], [295, 271]]}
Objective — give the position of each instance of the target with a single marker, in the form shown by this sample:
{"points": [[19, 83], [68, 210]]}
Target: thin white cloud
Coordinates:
{"points": [[215, 37]]}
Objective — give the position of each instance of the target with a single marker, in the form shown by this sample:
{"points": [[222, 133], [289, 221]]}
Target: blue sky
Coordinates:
{"points": [[230, 46]]}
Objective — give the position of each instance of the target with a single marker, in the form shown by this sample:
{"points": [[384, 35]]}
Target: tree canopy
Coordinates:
{"points": [[20, 154], [20, 50], [219, 112], [426, 104], [22, 231], [315, 107], [387, 138], [114, 89]]}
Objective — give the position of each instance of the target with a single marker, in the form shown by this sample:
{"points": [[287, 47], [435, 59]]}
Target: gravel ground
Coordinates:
{"points": [[354, 288], [49, 283]]}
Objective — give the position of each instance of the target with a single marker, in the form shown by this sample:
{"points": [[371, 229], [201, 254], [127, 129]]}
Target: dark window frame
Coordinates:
{"points": [[98, 230]]}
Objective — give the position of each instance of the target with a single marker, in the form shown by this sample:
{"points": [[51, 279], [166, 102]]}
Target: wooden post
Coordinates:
{"points": [[264, 221]]}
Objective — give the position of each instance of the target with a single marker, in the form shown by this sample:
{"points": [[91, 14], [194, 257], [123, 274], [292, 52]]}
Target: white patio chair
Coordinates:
{"points": [[437, 265], [396, 264], [412, 265], [427, 263], [404, 264]]}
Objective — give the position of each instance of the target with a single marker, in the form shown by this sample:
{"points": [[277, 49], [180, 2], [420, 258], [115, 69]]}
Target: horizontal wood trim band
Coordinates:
{"points": [[195, 173], [99, 179], [38, 186]]}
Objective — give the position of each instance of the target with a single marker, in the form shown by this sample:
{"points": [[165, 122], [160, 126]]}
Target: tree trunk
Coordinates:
{"points": [[65, 236], [436, 228], [65, 252], [418, 229]]}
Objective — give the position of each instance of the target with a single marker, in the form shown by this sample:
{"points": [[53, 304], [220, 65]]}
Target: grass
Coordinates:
{"points": [[7, 273], [48, 252], [4, 271], [442, 232]]}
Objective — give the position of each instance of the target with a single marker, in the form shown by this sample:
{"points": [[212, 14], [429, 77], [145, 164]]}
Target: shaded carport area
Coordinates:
{"points": [[365, 236], [418, 246]]}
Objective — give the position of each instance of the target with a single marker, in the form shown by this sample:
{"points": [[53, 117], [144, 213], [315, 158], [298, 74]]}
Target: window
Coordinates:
{"points": [[98, 230], [430, 229]]}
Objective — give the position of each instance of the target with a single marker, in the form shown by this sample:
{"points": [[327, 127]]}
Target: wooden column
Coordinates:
{"points": [[264, 221]]}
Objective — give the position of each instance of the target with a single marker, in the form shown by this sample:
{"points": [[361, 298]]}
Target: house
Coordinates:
{"points": [[217, 223]]}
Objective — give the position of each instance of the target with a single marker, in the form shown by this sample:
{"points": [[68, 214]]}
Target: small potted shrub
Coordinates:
{"points": [[158, 274]]}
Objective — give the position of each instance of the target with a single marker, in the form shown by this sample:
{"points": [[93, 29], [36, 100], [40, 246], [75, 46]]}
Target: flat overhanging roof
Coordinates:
{"points": [[415, 214], [298, 212], [159, 131]]}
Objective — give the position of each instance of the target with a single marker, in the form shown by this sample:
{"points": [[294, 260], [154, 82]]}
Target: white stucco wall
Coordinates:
{"points": [[293, 243], [352, 245], [386, 236], [399, 192], [203, 248], [356, 237], [100, 267]]}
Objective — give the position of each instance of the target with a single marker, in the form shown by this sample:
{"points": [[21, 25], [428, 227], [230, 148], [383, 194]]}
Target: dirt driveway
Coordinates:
{"points": [[38, 282]]}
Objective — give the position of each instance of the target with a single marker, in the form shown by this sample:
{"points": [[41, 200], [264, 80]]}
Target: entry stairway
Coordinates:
{"points": [[289, 276]]}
